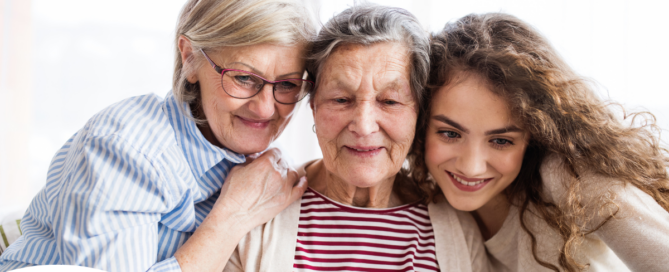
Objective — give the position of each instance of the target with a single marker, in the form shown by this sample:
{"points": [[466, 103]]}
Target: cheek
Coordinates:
{"points": [[215, 106], [435, 152], [330, 123], [285, 112], [400, 127], [509, 164]]}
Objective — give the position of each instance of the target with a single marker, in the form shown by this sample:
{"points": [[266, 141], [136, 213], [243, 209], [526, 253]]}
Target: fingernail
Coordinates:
{"points": [[303, 180]]}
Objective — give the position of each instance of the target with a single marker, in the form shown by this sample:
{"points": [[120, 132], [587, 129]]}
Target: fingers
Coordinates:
{"points": [[298, 189], [291, 177], [272, 154]]}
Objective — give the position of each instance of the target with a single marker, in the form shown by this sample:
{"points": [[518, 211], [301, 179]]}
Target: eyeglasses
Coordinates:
{"points": [[243, 84]]}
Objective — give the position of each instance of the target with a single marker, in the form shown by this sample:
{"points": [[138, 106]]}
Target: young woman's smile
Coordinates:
{"points": [[474, 148], [467, 184]]}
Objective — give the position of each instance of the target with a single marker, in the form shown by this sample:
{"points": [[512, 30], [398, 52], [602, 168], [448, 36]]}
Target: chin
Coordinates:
{"points": [[250, 146], [366, 179], [465, 204]]}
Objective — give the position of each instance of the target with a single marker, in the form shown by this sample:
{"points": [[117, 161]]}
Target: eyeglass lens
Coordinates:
{"points": [[242, 84]]}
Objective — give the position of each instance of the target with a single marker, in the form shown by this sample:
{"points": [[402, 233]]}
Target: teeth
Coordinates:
{"points": [[364, 150], [468, 183]]}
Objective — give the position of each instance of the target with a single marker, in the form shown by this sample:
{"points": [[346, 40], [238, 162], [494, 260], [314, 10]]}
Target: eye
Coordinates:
{"points": [[341, 100], [243, 79], [248, 81], [390, 102], [287, 85], [501, 143], [449, 135]]}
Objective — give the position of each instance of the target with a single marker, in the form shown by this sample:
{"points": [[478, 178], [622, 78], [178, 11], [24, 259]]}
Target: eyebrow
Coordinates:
{"points": [[343, 84], [255, 71], [446, 120], [508, 129], [393, 85]]}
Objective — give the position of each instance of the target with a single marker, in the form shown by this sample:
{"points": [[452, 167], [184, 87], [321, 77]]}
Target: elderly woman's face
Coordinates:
{"points": [[248, 125], [364, 112]]}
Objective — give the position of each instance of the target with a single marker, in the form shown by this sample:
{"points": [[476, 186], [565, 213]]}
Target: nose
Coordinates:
{"points": [[262, 104], [472, 161], [364, 120]]}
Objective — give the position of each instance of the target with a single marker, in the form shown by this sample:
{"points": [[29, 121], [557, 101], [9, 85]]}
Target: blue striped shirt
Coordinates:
{"points": [[125, 192]]}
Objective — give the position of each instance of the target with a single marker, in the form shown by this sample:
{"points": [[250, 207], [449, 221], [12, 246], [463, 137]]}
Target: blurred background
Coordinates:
{"points": [[61, 61]]}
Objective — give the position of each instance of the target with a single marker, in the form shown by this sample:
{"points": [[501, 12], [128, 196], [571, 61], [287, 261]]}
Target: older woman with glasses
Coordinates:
{"points": [[150, 183], [362, 212]]}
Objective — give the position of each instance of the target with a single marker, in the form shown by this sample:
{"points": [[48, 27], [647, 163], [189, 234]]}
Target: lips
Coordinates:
{"points": [[259, 124], [364, 151], [467, 184]]}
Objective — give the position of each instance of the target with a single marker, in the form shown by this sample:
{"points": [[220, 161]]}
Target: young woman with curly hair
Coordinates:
{"points": [[555, 179]]}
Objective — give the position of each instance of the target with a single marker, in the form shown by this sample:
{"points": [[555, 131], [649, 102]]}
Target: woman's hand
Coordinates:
{"points": [[261, 189], [251, 195]]}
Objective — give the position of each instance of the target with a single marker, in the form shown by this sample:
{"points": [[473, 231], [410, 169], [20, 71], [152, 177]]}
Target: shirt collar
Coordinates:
{"points": [[199, 152]]}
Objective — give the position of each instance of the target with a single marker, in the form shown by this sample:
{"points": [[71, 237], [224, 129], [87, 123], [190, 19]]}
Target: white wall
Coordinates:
{"points": [[16, 109], [62, 61]]}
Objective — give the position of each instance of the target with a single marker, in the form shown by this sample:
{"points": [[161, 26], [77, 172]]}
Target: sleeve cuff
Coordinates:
{"points": [[166, 265]]}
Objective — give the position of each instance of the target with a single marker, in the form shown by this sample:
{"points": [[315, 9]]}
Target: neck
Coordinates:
{"points": [[490, 217], [333, 187], [209, 135], [198, 113]]}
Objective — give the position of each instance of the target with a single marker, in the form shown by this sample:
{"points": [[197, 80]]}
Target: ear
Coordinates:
{"points": [[186, 50]]}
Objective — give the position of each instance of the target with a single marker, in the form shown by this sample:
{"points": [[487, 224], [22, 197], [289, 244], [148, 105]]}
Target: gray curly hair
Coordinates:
{"points": [[367, 24]]}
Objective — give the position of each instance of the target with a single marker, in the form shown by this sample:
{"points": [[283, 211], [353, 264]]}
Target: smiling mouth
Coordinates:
{"points": [[254, 123], [469, 185], [364, 151]]}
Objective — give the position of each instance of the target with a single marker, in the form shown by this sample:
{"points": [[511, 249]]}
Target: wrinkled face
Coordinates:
{"points": [[364, 112], [248, 125], [474, 149]]}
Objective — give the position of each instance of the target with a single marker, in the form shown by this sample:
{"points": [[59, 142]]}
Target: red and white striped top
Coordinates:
{"points": [[335, 237]]}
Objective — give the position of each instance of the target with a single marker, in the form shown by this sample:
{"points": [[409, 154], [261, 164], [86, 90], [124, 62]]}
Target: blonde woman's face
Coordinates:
{"points": [[248, 125], [474, 149]]}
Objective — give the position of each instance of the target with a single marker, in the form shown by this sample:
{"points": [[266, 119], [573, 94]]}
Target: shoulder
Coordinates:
{"points": [[284, 224], [458, 241], [557, 179], [272, 245], [117, 147], [140, 122]]}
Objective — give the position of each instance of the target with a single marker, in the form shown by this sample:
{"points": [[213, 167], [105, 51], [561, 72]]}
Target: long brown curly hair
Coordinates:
{"points": [[563, 116]]}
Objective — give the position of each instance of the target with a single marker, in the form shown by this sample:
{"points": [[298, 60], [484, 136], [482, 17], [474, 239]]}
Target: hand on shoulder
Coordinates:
{"points": [[259, 190]]}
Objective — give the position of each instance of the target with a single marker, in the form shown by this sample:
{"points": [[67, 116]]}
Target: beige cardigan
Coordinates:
{"points": [[637, 239], [271, 247]]}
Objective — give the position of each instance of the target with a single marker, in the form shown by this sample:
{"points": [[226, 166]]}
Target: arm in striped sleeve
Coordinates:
{"points": [[100, 208], [107, 213]]}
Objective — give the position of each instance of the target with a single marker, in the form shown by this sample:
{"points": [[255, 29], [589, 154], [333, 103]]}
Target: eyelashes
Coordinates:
{"points": [[451, 136]]}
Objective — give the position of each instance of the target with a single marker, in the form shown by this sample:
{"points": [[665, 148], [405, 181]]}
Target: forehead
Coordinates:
{"points": [[469, 100], [261, 58], [384, 61]]}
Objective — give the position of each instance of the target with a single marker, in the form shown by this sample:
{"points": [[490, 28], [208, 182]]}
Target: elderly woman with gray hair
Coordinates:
{"points": [[362, 212], [151, 183]]}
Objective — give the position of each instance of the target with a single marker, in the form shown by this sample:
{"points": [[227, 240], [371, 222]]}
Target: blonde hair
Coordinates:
{"points": [[214, 24], [563, 116]]}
